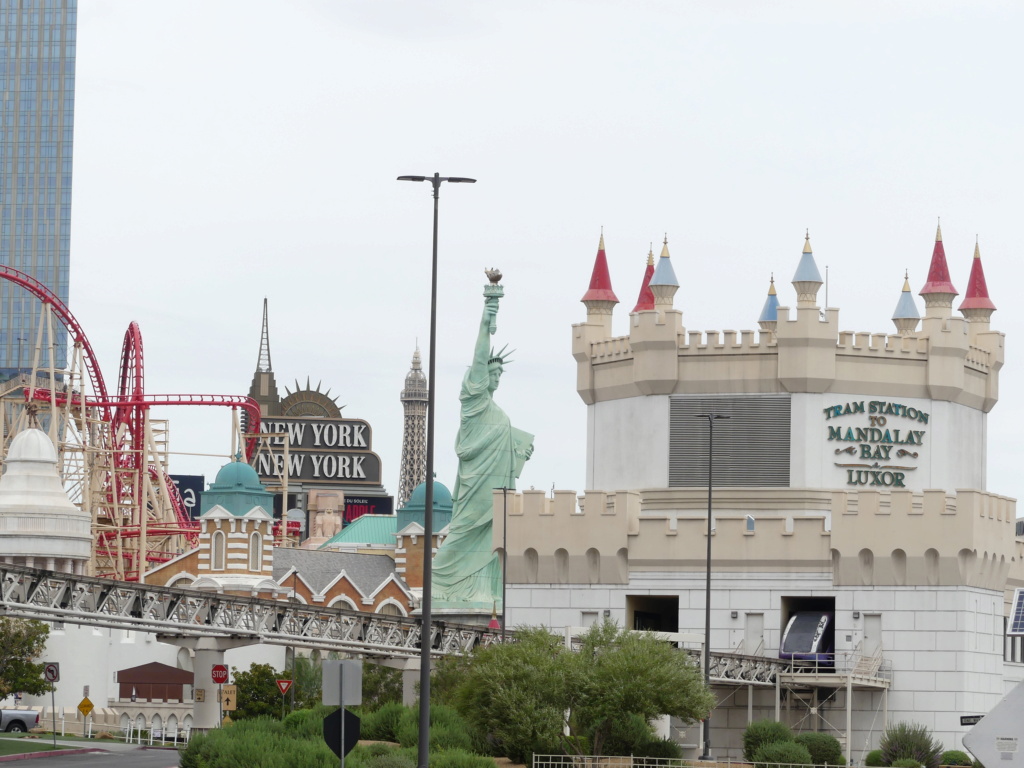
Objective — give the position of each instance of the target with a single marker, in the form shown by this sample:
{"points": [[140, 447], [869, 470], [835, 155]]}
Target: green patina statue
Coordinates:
{"points": [[466, 571]]}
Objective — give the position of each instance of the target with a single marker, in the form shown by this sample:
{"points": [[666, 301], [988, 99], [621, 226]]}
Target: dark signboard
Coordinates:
{"points": [[191, 489], [357, 506], [329, 451]]}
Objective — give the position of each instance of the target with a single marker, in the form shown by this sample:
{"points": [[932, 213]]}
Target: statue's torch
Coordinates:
{"points": [[494, 290]]}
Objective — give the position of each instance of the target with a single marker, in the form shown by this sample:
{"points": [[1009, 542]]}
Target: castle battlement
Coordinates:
{"points": [[915, 538], [938, 356]]}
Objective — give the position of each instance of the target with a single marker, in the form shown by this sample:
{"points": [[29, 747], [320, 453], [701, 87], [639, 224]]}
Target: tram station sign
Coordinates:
{"points": [[329, 451], [880, 445]]}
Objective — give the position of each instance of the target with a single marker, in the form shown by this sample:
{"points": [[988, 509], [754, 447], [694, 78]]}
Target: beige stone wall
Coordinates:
{"points": [[867, 538], [948, 358]]}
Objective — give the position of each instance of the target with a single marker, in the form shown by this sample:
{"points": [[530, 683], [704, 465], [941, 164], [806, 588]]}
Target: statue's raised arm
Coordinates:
{"points": [[467, 573]]}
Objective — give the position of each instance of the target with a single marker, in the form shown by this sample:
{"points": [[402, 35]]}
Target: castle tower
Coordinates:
{"points": [[769, 318], [977, 307], [938, 291], [807, 279], [664, 283], [645, 300], [264, 387], [906, 317], [600, 299], [414, 434]]}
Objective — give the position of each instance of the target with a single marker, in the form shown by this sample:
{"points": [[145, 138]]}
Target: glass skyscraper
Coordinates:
{"points": [[37, 74]]}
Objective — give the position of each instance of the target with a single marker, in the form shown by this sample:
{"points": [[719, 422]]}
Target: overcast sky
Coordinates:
{"points": [[231, 150]]}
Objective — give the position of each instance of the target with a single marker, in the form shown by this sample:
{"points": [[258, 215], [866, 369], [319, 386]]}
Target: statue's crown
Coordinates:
{"points": [[500, 357]]}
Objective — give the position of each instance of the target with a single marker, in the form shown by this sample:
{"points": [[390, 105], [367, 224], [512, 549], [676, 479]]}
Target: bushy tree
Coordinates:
{"points": [[381, 685], [307, 679], [769, 755], [514, 693], [873, 759], [762, 732], [524, 695], [258, 694], [825, 748], [910, 740], [956, 757], [617, 672], [21, 642]]}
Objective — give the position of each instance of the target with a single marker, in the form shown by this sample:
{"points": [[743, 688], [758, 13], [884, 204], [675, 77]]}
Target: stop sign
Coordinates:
{"points": [[220, 674]]}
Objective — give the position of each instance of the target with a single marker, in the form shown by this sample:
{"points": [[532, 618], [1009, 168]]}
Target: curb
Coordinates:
{"points": [[52, 753]]}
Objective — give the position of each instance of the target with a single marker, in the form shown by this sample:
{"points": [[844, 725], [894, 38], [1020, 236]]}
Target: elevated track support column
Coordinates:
{"points": [[209, 652]]}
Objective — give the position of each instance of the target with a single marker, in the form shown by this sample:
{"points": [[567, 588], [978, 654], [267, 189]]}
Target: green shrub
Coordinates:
{"points": [[447, 729], [393, 759], [906, 762], [873, 759], [910, 740], [788, 752], [383, 723], [762, 732], [255, 743], [824, 748], [626, 735], [459, 758], [307, 723], [956, 757], [659, 748], [376, 750]]}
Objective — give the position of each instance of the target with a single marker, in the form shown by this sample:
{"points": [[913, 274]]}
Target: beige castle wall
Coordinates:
{"points": [[940, 538], [947, 359]]}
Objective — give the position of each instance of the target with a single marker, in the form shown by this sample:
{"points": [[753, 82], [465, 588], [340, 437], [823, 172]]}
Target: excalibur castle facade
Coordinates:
{"points": [[848, 483]]}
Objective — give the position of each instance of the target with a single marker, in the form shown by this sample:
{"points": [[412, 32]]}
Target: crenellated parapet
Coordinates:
{"points": [[864, 538], [797, 350]]}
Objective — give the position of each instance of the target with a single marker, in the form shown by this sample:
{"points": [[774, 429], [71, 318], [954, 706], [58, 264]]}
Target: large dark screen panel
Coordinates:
{"points": [[751, 446]]}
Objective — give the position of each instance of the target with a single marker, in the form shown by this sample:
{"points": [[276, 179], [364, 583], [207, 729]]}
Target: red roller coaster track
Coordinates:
{"points": [[124, 416]]}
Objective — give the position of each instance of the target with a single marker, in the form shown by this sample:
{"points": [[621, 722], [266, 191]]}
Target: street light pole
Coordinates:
{"points": [[504, 561], [711, 417], [423, 751]]}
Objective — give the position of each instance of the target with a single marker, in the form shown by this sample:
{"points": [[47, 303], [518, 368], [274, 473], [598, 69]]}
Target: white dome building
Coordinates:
{"points": [[39, 526]]}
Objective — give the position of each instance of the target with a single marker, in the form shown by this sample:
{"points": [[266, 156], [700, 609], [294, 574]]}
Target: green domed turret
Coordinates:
{"points": [[238, 489], [413, 511]]}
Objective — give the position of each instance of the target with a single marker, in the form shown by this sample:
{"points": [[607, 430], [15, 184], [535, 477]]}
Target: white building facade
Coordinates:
{"points": [[848, 478]]}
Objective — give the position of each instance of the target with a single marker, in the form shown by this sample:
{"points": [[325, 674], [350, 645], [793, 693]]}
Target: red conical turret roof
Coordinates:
{"points": [[600, 280], [938, 272], [646, 298], [977, 290]]}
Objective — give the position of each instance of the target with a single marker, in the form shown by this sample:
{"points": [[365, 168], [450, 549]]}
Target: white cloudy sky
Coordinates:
{"points": [[235, 149]]}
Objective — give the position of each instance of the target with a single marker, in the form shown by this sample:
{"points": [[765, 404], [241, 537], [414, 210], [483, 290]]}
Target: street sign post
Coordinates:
{"points": [[283, 686], [51, 673], [333, 732], [85, 707], [229, 698]]}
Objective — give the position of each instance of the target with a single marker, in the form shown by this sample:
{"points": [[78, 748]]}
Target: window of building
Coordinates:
{"points": [[255, 552], [218, 545]]}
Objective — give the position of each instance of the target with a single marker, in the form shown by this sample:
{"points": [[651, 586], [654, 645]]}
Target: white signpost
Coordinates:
{"points": [[342, 686]]}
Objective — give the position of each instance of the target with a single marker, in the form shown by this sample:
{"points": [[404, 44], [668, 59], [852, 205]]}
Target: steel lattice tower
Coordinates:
{"points": [[414, 435]]}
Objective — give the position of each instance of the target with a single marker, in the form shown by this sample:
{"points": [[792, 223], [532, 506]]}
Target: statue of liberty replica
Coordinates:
{"points": [[466, 570]]}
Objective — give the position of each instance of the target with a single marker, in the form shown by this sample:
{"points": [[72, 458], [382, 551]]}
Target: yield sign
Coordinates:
{"points": [[284, 685]]}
